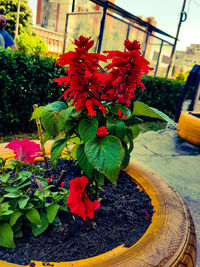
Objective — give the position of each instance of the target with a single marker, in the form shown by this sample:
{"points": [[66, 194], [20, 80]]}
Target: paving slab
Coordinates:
{"points": [[178, 162]]}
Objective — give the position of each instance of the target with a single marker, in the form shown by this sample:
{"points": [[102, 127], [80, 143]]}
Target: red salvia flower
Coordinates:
{"points": [[78, 200], [126, 71], [83, 78], [102, 131]]}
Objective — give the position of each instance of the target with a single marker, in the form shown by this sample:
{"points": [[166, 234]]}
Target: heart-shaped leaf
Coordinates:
{"points": [[106, 155], [88, 129]]}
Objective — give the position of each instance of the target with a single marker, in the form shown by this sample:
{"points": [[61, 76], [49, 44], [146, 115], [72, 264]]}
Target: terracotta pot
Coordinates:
{"points": [[189, 127], [169, 241]]}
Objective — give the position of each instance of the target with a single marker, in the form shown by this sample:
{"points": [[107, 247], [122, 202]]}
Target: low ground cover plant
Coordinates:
{"points": [[99, 118]]}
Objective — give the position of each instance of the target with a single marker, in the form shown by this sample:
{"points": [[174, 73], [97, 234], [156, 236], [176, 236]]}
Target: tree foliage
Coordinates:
{"points": [[31, 44], [9, 9]]}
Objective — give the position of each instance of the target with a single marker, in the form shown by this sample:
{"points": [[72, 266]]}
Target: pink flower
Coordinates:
{"points": [[78, 200], [25, 150]]}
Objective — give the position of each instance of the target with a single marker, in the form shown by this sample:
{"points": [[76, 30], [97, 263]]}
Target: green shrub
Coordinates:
{"points": [[25, 79], [161, 93]]}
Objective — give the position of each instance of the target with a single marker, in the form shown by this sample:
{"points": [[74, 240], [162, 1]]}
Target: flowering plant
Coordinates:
{"points": [[97, 116], [27, 198]]}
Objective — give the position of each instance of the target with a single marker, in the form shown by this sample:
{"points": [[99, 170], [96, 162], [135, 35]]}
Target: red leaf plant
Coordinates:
{"points": [[78, 200], [25, 150]]}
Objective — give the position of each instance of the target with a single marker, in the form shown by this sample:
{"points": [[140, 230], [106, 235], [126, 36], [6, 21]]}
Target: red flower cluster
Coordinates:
{"points": [[102, 131], [87, 86], [126, 71], [78, 200], [83, 77]]}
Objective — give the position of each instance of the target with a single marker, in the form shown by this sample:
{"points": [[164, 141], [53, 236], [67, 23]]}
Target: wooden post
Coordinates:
{"points": [[39, 128]]}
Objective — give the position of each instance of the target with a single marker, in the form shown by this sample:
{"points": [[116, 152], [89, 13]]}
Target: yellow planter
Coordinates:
{"points": [[169, 241], [189, 127]]}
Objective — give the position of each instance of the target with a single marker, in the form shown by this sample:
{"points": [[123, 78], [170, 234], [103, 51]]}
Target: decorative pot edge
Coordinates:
{"points": [[169, 240]]}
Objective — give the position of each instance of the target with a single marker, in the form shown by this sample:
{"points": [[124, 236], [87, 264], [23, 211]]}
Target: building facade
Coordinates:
{"points": [[187, 59]]}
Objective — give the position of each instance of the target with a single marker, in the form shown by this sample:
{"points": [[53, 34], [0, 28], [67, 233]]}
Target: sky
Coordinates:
{"points": [[166, 13]]}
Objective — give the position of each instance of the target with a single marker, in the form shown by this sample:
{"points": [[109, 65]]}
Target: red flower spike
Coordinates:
{"points": [[78, 200], [135, 45], [126, 71], [25, 150], [102, 131], [83, 78]]}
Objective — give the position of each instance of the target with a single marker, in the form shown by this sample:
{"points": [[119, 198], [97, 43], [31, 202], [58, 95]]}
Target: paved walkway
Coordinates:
{"points": [[178, 162]]}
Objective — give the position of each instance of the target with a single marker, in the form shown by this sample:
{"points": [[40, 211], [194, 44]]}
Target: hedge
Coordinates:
{"points": [[161, 93], [26, 79]]}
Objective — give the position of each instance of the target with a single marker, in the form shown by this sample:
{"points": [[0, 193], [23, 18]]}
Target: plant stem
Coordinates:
{"points": [[96, 190], [40, 135]]}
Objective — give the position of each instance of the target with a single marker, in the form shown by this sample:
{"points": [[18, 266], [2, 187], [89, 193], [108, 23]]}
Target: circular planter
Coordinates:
{"points": [[169, 241], [189, 127]]}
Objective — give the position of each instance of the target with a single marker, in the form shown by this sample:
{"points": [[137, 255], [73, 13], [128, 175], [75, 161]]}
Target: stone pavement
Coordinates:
{"points": [[178, 162]]}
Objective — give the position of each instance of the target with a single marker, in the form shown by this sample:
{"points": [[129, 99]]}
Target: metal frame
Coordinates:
{"points": [[108, 6]]}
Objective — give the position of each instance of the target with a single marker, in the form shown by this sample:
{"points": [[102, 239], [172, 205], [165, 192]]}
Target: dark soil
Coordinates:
{"points": [[124, 216]]}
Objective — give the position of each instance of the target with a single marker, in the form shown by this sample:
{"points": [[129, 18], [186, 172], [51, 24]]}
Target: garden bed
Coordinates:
{"points": [[123, 218]]}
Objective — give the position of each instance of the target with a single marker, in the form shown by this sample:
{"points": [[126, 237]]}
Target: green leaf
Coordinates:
{"points": [[18, 234], [83, 161], [14, 217], [23, 176], [38, 229], [56, 150], [132, 121], [12, 195], [126, 156], [37, 113], [74, 151], [33, 216], [65, 113], [47, 136], [130, 138], [11, 189], [106, 155], [51, 119], [52, 212], [135, 131], [4, 177], [6, 236], [141, 109], [116, 128], [87, 129], [23, 201], [57, 221]]}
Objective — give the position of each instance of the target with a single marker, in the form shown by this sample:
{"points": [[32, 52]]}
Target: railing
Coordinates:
{"points": [[109, 32]]}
